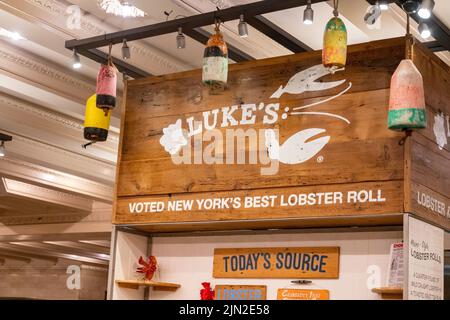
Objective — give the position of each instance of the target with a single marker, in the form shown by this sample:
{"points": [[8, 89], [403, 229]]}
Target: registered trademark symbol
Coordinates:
{"points": [[320, 159]]}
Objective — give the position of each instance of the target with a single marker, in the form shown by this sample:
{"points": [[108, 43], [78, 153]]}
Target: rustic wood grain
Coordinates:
{"points": [[362, 155], [392, 191]]}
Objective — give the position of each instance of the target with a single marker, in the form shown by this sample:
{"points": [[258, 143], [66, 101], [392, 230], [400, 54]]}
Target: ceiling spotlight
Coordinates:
{"points": [[181, 39], [424, 30], [308, 14], [126, 53], [384, 5], [2, 149], [426, 8], [76, 60], [372, 15], [410, 6], [3, 139], [242, 27]]}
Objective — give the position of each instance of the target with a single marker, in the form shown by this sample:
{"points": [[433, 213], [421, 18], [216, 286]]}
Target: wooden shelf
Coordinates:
{"points": [[389, 293], [135, 284]]}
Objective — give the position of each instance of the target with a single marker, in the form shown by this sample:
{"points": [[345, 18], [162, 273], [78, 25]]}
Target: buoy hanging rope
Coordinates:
{"points": [[107, 85], [215, 59], [409, 40], [334, 53], [336, 6]]}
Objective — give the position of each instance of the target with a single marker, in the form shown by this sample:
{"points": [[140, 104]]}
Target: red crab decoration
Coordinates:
{"points": [[207, 293], [148, 268]]}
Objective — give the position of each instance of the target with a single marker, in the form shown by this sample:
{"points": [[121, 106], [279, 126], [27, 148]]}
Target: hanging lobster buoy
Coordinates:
{"points": [[96, 123], [407, 98], [106, 87], [334, 53], [215, 60]]}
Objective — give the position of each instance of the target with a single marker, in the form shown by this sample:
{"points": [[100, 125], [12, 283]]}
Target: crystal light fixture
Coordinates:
{"points": [[123, 9]]}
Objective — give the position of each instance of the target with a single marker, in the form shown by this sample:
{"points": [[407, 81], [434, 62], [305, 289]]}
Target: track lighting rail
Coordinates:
{"points": [[187, 23], [191, 27]]}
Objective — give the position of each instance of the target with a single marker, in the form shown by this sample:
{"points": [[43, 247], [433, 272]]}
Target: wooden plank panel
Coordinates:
{"points": [[359, 152], [240, 292], [361, 109], [184, 95], [380, 220], [436, 78], [273, 263], [346, 162], [429, 181], [274, 203], [431, 168], [430, 205]]}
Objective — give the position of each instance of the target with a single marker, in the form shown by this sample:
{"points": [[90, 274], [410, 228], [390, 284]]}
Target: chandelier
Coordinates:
{"points": [[122, 9]]}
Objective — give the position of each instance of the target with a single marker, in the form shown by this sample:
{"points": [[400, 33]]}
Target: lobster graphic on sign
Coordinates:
{"points": [[297, 149]]}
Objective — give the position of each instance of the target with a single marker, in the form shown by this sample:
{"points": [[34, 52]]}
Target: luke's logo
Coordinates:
{"points": [[185, 140]]}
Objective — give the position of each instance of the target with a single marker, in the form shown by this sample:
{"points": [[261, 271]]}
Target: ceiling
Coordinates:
{"points": [[47, 178]]}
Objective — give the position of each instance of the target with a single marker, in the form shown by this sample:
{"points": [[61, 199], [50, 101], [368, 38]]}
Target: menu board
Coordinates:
{"points": [[425, 257]]}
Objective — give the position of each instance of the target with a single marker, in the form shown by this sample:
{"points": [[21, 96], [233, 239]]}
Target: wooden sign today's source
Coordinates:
{"points": [[281, 263]]}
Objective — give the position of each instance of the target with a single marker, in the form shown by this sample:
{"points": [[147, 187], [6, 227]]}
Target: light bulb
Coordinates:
{"points": [[384, 5], [425, 9], [126, 53], [76, 60], [308, 14], [424, 30], [242, 27], [2, 149], [181, 39]]}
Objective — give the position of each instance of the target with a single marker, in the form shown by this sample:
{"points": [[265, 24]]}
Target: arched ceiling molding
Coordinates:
{"points": [[60, 159], [146, 56], [24, 119], [26, 190], [28, 172]]}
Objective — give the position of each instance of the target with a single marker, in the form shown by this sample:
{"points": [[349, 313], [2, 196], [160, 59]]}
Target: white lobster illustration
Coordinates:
{"points": [[306, 81], [295, 150]]}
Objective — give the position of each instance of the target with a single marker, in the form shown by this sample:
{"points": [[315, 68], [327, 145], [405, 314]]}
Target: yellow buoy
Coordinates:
{"points": [[334, 54], [96, 122]]}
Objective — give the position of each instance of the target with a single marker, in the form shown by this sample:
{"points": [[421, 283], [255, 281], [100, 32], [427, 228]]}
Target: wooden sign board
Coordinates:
{"points": [[302, 294], [240, 292], [285, 141], [305, 263], [427, 173]]}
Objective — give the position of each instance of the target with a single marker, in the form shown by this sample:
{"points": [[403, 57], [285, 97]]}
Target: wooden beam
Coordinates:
{"points": [[123, 67], [277, 34], [234, 53], [187, 23]]}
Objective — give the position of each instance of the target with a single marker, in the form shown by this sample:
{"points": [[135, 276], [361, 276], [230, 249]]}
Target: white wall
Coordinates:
{"points": [[129, 248], [189, 261]]}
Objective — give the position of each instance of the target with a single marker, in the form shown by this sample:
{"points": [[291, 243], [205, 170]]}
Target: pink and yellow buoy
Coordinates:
{"points": [[334, 53], [407, 98]]}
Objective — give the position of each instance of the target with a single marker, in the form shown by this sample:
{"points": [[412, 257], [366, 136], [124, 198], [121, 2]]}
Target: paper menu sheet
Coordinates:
{"points": [[395, 271]]}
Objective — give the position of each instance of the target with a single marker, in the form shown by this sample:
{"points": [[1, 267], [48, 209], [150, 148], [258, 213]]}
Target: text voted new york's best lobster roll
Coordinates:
{"points": [[107, 87]]}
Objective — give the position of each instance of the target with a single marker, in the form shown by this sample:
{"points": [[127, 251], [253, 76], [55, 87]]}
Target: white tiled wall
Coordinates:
{"points": [[189, 261]]}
